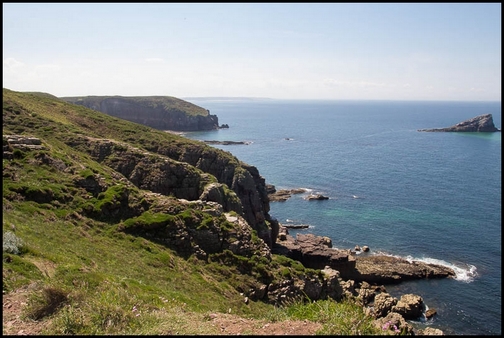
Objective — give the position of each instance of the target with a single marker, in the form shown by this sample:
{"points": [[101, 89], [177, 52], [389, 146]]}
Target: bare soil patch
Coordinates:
{"points": [[234, 325], [227, 324], [12, 320]]}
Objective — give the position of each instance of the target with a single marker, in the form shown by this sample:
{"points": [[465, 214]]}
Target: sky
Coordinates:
{"points": [[329, 51]]}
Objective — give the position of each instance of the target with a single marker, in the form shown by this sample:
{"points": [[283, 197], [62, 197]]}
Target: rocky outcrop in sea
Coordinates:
{"points": [[481, 123], [317, 252], [362, 278]]}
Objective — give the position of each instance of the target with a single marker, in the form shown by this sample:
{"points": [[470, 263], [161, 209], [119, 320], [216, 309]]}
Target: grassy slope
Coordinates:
{"points": [[168, 102], [90, 278]]}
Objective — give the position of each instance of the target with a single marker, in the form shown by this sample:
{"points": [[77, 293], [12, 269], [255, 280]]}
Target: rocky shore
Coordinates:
{"points": [[360, 274], [317, 252], [364, 278], [284, 194]]}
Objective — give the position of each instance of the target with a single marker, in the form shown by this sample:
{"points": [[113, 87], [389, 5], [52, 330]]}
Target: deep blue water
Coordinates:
{"points": [[425, 196]]}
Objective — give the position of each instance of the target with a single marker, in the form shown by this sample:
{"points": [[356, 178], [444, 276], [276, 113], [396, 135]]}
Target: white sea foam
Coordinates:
{"points": [[465, 273]]}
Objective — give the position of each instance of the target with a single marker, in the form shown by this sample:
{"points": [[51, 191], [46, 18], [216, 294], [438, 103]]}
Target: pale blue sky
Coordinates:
{"points": [[409, 51]]}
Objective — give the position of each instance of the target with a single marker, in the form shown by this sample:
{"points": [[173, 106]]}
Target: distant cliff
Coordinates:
{"points": [[481, 123], [159, 112]]}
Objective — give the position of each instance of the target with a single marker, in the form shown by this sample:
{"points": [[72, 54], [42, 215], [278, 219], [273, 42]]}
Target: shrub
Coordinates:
{"points": [[86, 173], [11, 243], [41, 306], [17, 153]]}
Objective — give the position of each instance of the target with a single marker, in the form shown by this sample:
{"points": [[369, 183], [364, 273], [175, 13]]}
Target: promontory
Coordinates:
{"points": [[159, 112]]}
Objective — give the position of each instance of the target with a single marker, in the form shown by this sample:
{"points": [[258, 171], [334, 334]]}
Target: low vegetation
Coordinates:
{"points": [[167, 103], [68, 236]]}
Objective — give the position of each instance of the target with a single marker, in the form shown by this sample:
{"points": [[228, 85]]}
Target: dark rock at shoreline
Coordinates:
{"points": [[390, 270], [481, 123], [316, 252], [296, 226], [316, 197], [283, 194], [430, 313], [226, 142]]}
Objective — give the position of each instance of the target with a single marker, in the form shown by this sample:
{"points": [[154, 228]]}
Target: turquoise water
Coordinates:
{"points": [[429, 196]]}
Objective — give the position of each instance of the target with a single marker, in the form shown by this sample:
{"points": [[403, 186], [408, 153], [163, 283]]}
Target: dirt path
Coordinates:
{"points": [[234, 325], [228, 324], [13, 324]]}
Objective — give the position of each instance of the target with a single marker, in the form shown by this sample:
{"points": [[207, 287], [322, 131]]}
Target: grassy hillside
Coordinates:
{"points": [[66, 241], [166, 102]]}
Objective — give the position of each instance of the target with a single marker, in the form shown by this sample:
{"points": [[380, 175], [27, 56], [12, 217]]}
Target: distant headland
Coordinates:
{"points": [[159, 112]]}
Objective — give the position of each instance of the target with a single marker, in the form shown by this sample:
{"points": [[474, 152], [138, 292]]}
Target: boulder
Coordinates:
{"points": [[409, 306], [366, 293], [334, 283], [314, 252], [430, 313], [394, 323], [383, 304], [430, 331], [481, 123]]}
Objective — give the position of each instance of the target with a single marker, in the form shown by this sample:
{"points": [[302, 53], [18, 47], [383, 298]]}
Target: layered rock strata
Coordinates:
{"points": [[163, 113], [316, 252], [188, 173]]}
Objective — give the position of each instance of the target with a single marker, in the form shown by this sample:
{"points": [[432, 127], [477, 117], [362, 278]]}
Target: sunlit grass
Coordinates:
{"points": [[87, 275]]}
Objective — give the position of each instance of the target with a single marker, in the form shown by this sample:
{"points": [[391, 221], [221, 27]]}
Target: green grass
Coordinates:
{"points": [[168, 103], [89, 272]]}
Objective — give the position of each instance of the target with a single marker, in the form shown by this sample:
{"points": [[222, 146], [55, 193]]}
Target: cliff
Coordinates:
{"points": [[159, 112], [481, 123], [114, 221]]}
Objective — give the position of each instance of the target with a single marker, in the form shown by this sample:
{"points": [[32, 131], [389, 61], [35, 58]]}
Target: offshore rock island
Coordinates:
{"points": [[481, 123]]}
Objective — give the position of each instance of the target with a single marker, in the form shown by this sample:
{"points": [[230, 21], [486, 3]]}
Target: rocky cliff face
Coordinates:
{"points": [[163, 113], [191, 197], [481, 123], [183, 171]]}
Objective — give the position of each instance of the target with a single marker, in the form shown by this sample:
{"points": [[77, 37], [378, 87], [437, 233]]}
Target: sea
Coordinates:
{"points": [[427, 196]]}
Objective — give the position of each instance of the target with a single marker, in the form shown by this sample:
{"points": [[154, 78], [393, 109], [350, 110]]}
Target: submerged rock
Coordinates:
{"points": [[316, 197], [226, 142], [481, 123], [283, 194]]}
